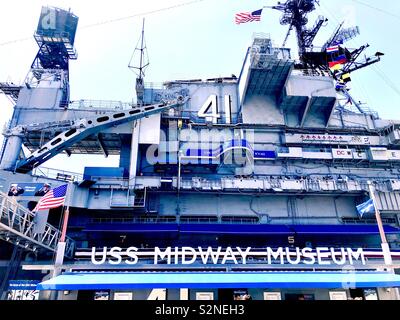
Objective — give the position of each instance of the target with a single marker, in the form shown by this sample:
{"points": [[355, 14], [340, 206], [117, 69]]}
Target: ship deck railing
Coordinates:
{"points": [[99, 104], [241, 220], [311, 184], [19, 226], [181, 220], [134, 220], [57, 174], [311, 73]]}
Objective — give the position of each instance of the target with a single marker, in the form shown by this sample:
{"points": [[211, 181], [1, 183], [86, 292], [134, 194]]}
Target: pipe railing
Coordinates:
{"points": [[18, 226]]}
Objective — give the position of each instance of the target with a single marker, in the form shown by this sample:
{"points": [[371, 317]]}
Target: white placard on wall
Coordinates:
{"points": [[123, 296], [338, 295], [272, 296], [204, 296]]}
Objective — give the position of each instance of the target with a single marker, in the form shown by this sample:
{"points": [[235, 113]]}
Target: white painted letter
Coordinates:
{"points": [[115, 252], [191, 252], [93, 257], [210, 252], [161, 255], [244, 254], [131, 254], [288, 256], [342, 261], [229, 255], [275, 255], [308, 254], [320, 255], [356, 255]]}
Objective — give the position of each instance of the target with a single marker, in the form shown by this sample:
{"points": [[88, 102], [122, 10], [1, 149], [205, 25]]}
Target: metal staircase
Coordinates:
{"points": [[17, 226]]}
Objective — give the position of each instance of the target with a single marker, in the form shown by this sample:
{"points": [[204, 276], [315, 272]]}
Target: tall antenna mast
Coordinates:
{"points": [[295, 15], [140, 50]]}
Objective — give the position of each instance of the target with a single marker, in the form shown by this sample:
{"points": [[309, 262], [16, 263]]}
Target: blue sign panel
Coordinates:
{"points": [[28, 189], [212, 153], [258, 154], [204, 152], [23, 284], [264, 154], [23, 290]]}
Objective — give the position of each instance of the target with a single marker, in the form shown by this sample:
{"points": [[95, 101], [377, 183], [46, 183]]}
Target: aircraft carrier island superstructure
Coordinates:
{"points": [[226, 187]]}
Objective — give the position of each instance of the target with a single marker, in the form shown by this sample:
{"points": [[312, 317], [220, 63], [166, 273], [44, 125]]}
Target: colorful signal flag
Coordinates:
{"points": [[345, 77], [340, 86], [341, 59], [335, 66], [332, 49]]}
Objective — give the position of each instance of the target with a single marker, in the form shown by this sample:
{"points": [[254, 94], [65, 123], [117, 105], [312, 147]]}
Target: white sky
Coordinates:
{"points": [[194, 41]]}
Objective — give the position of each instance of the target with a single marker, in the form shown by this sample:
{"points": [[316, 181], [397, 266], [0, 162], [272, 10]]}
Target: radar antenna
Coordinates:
{"points": [[141, 50], [295, 15], [333, 57], [341, 35]]}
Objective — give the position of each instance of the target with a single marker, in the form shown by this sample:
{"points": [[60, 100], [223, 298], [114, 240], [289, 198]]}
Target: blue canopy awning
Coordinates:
{"points": [[216, 280]]}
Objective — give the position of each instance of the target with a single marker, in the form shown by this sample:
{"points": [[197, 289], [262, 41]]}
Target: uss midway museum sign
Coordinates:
{"points": [[219, 255]]}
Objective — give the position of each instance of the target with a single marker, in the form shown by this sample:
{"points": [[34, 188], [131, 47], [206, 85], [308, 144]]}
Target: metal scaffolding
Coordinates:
{"points": [[17, 226]]}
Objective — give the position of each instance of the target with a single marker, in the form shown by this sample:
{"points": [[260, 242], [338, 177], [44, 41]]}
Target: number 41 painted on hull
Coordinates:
{"points": [[210, 111]]}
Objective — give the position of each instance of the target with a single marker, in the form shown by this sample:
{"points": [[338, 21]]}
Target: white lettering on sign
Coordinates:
{"points": [[210, 104], [359, 254], [342, 154], [48, 21], [332, 139], [228, 106], [210, 111], [394, 154], [229, 255]]}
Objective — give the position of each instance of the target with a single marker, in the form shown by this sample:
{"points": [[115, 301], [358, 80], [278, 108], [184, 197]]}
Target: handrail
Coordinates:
{"points": [[230, 220], [53, 173], [19, 222], [311, 73], [134, 220], [99, 104]]}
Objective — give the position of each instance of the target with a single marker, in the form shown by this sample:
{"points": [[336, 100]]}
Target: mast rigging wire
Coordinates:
{"points": [[117, 19], [377, 9]]}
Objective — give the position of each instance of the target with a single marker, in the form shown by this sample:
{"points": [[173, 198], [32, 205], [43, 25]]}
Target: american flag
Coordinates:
{"points": [[52, 199], [244, 17]]}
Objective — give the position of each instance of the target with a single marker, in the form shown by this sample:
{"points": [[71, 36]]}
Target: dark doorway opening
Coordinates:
{"points": [[90, 295], [357, 294], [225, 295], [233, 294], [86, 295]]}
